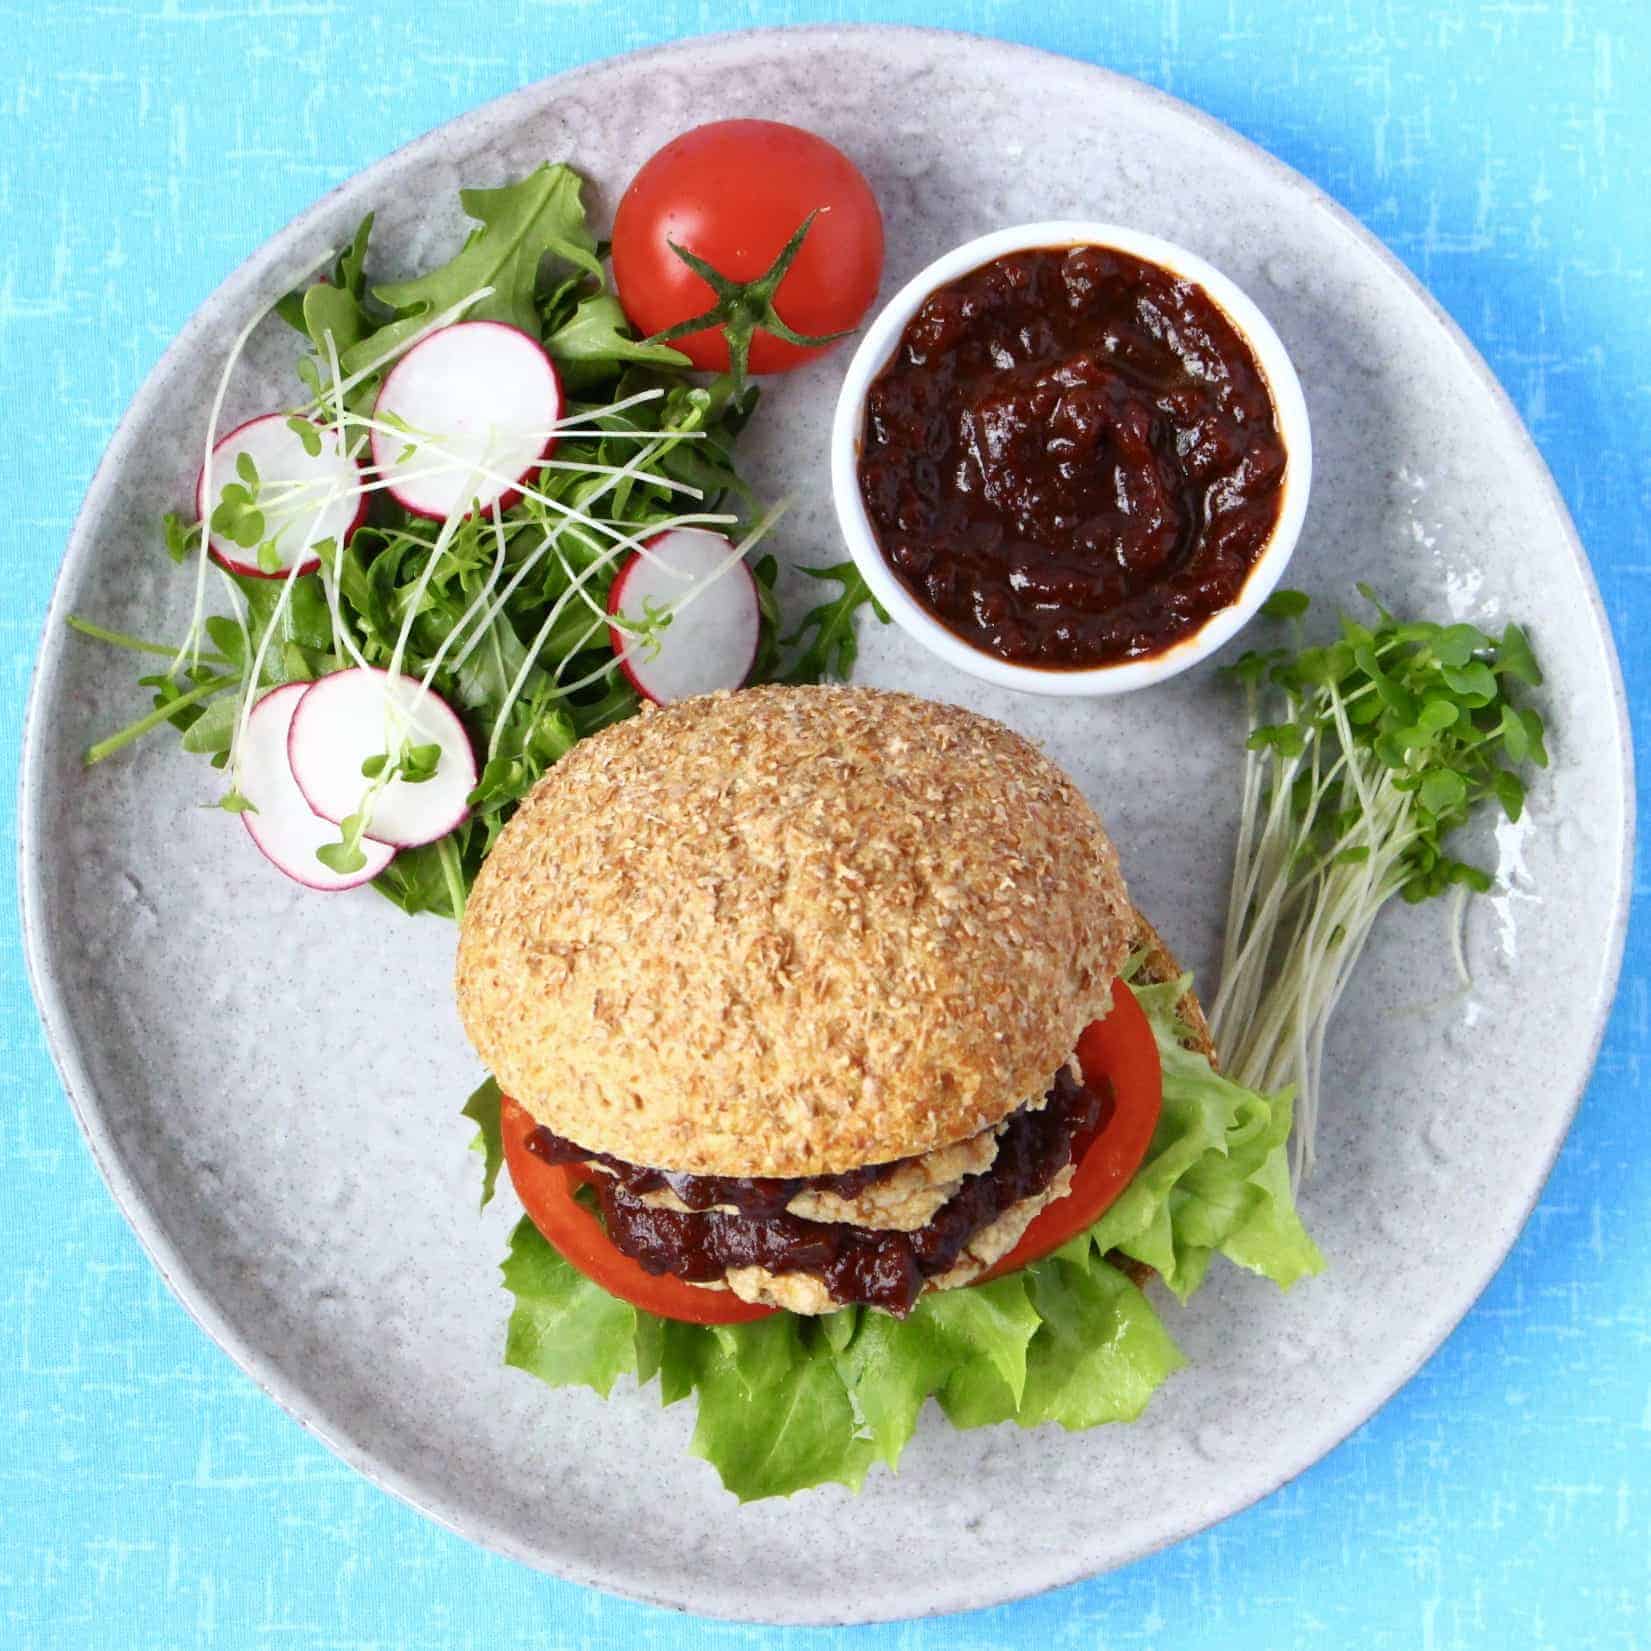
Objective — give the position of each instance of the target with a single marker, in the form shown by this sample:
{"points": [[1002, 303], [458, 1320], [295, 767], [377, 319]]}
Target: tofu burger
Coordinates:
{"points": [[810, 1003]]}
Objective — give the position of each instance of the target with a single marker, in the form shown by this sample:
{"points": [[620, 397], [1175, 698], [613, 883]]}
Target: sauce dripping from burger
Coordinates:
{"points": [[857, 1264], [760, 1196]]}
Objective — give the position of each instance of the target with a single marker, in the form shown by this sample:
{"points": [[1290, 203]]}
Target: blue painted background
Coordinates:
{"points": [[149, 1496]]}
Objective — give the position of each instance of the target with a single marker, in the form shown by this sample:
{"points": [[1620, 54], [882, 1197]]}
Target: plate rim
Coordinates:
{"points": [[947, 1595]]}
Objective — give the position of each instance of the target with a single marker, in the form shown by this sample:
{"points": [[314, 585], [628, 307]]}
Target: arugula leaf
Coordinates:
{"points": [[210, 732], [348, 277], [522, 224], [417, 880], [327, 309], [832, 649], [597, 337]]}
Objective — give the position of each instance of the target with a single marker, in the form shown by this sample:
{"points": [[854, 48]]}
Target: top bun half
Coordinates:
{"points": [[790, 931]]}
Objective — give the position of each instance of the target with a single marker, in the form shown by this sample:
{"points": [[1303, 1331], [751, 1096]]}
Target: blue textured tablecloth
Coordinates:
{"points": [[150, 1496]]}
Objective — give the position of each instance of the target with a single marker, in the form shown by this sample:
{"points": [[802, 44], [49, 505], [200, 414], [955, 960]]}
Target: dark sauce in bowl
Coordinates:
{"points": [[1072, 459]]}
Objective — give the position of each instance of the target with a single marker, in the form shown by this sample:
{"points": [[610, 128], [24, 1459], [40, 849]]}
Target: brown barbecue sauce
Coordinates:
{"points": [[879, 1268]]}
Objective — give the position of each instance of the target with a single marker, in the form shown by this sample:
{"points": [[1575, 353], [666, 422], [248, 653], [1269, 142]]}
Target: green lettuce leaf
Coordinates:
{"points": [[787, 1402], [1234, 1197], [564, 1329], [483, 1110], [774, 1416]]}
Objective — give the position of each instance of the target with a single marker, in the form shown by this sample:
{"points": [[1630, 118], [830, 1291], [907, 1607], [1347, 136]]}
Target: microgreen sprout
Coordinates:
{"points": [[647, 628], [347, 854], [1364, 755]]}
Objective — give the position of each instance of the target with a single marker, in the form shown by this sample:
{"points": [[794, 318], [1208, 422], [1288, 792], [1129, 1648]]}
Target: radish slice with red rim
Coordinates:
{"points": [[284, 827], [464, 418], [294, 498], [355, 718], [709, 640]]}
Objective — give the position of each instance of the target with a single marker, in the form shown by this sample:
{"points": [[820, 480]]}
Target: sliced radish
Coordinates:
{"points": [[304, 498], [711, 640], [346, 719], [477, 396], [285, 828]]}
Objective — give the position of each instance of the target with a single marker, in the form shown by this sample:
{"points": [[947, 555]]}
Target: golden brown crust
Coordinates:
{"points": [[790, 931]]}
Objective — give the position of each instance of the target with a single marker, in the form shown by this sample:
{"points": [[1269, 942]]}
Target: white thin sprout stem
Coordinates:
{"points": [[449, 461], [1316, 922], [255, 670], [1241, 983], [484, 625], [564, 689], [624, 541], [434, 324], [1457, 921], [1314, 910], [596, 607], [577, 431], [605, 558], [332, 578], [191, 644], [530, 659], [636, 399], [484, 472], [344, 644], [1249, 795], [477, 604], [514, 693], [397, 720], [237, 608], [737, 553], [421, 440]]}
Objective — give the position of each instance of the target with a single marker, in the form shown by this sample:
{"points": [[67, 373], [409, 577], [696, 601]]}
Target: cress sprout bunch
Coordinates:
{"points": [[1364, 756], [496, 610]]}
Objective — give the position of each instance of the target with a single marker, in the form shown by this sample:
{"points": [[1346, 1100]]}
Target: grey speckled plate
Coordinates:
{"points": [[285, 1136]]}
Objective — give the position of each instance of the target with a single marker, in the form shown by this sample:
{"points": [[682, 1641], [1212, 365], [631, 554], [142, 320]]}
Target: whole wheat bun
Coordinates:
{"points": [[790, 931]]}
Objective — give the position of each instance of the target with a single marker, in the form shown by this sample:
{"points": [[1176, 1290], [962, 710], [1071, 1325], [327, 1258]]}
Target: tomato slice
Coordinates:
{"points": [[546, 1192], [1121, 1050]]}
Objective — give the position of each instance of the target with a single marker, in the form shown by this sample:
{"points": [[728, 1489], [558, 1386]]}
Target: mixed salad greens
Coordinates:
{"points": [[500, 613], [787, 1402]]}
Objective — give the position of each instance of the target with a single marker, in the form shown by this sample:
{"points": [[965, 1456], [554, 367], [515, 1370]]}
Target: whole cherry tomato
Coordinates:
{"points": [[748, 245]]}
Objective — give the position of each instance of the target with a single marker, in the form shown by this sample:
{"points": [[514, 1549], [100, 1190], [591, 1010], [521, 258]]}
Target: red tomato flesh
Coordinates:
{"points": [[1122, 1052], [546, 1192]]}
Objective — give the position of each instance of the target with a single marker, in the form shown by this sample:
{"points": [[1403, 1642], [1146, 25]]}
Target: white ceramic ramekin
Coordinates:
{"points": [[879, 344]]}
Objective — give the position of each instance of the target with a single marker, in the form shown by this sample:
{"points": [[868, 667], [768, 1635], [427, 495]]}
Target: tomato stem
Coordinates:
{"points": [[746, 307]]}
